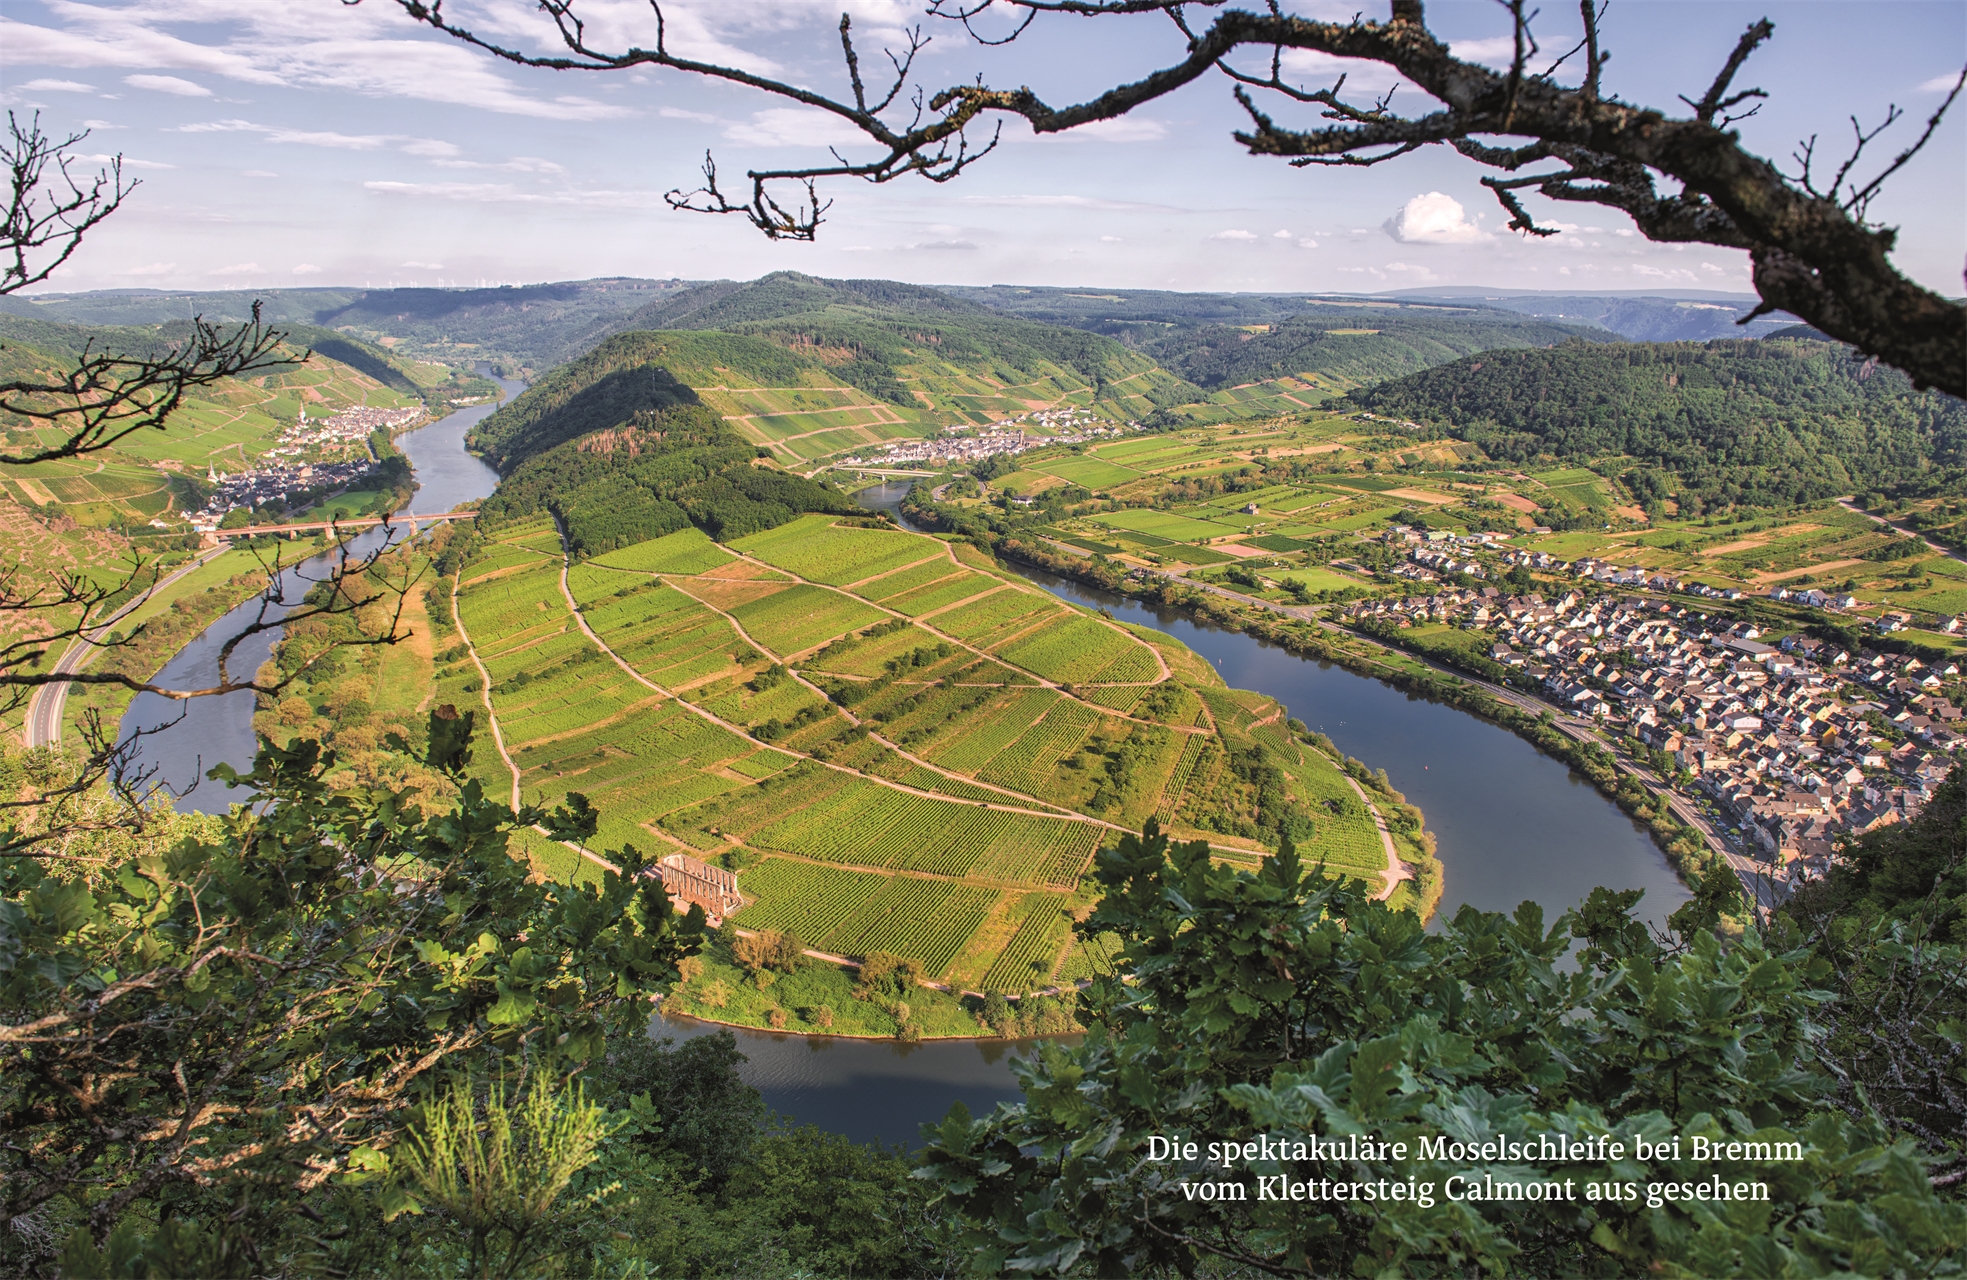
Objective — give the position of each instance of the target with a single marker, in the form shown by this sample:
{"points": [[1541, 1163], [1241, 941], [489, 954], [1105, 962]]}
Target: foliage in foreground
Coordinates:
{"points": [[223, 1028], [1283, 1003]]}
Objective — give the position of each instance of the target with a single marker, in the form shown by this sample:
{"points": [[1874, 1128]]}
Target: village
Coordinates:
{"points": [[351, 426], [1006, 436], [1794, 744]]}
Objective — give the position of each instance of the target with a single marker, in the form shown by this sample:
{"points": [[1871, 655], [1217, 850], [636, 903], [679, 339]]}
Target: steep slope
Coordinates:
{"points": [[1347, 348], [919, 348], [676, 466], [1718, 423]]}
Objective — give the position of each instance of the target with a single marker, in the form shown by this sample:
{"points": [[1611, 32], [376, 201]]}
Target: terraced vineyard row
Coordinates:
{"points": [[816, 549], [928, 920], [1026, 765], [1079, 649], [686, 551], [1031, 955], [972, 750], [799, 617], [811, 901]]}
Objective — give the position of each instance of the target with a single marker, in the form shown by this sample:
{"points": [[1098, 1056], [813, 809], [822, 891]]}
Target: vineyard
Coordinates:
{"points": [[928, 920], [1027, 763], [1027, 961], [816, 549], [810, 901], [938, 595], [797, 618], [864, 848], [687, 551], [972, 750], [668, 638], [1082, 649], [903, 581]]}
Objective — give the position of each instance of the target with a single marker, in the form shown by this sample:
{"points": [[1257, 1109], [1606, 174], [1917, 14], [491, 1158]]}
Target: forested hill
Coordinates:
{"points": [[1351, 347], [627, 375], [677, 466], [1755, 422]]}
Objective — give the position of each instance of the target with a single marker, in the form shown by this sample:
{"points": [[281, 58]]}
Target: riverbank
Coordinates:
{"points": [[1301, 631]]}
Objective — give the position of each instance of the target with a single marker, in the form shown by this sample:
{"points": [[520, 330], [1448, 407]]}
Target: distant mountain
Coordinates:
{"points": [[1217, 340], [529, 326], [1689, 316], [1718, 423]]}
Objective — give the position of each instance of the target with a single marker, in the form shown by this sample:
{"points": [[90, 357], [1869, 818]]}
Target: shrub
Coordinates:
{"points": [[823, 1017], [885, 973], [775, 949], [775, 1016]]}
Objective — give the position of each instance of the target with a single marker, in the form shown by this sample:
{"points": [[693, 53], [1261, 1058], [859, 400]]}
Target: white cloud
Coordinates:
{"points": [[258, 173], [128, 162], [944, 244], [328, 138], [307, 269], [1938, 84], [1234, 235], [425, 266], [1110, 240], [1433, 219], [1489, 51], [236, 269], [366, 50], [1280, 235], [56, 86], [518, 164], [793, 127], [101, 124], [678, 113], [153, 269], [1070, 202], [1307, 243], [168, 84]]}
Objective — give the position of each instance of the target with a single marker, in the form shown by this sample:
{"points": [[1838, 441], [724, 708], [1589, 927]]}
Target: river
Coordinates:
{"points": [[221, 729], [1510, 822]]}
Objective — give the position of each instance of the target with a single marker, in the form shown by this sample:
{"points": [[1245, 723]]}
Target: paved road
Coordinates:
{"points": [[44, 709]]}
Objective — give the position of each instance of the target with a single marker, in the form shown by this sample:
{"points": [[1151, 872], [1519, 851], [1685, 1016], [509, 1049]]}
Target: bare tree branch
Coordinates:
{"points": [[107, 396], [49, 208], [1812, 253]]}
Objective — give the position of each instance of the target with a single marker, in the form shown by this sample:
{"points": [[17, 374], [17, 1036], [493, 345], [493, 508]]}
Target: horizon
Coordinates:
{"points": [[1438, 291]]}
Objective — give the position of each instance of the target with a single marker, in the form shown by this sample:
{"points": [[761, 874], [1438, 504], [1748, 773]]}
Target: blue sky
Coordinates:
{"points": [[308, 142]]}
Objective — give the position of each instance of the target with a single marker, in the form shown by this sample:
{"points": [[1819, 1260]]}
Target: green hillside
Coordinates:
{"points": [[921, 348], [677, 465], [811, 368], [1747, 422]]}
